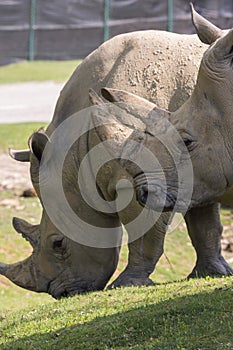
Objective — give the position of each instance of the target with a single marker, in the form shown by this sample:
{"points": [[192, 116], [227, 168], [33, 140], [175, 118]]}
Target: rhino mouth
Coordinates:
{"points": [[58, 289]]}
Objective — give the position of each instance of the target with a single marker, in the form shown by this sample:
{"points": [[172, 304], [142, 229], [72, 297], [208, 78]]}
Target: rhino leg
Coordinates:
{"points": [[205, 230], [144, 253]]}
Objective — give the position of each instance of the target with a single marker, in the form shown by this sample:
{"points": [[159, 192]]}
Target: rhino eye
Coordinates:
{"points": [[57, 245], [188, 143]]}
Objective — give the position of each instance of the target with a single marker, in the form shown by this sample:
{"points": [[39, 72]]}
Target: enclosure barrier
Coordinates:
{"points": [[71, 29]]}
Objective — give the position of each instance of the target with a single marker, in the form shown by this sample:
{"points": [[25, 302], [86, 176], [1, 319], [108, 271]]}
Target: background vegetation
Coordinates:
{"points": [[57, 71]]}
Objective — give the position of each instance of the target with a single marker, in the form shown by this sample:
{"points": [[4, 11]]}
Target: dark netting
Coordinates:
{"points": [[71, 29]]}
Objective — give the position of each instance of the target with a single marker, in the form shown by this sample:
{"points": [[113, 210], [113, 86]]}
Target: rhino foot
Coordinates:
{"points": [[129, 279], [217, 267]]}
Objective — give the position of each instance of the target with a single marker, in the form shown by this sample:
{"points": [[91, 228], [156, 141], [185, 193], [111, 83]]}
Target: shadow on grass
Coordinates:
{"points": [[201, 321]]}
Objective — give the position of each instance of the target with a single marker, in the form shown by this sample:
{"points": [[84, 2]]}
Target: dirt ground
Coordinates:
{"points": [[13, 174]]}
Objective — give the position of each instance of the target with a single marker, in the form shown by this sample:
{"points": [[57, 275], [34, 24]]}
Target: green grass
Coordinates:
{"points": [[183, 315], [57, 71], [16, 135]]}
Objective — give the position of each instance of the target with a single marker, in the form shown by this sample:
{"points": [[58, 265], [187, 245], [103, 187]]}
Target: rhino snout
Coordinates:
{"points": [[155, 197], [67, 286], [153, 193]]}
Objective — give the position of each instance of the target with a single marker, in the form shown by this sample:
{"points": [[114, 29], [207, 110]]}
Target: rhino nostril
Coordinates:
{"points": [[144, 197]]}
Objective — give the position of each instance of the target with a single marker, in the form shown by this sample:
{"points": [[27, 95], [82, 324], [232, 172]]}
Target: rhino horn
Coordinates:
{"points": [[116, 119], [125, 125], [22, 273], [206, 31], [95, 99], [30, 232], [21, 156], [126, 114], [115, 95], [133, 104], [3, 269], [108, 127]]}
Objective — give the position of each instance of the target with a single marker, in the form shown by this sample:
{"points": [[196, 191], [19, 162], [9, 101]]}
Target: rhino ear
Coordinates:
{"points": [[28, 231], [221, 50], [208, 33], [37, 143], [20, 156]]}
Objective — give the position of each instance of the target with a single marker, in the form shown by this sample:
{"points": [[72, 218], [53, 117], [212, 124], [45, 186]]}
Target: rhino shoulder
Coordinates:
{"points": [[151, 63]]}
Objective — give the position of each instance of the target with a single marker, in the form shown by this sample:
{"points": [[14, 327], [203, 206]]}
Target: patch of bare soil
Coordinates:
{"points": [[13, 174]]}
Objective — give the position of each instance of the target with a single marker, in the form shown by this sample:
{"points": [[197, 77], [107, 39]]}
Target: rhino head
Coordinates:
{"points": [[57, 265], [205, 120], [204, 124]]}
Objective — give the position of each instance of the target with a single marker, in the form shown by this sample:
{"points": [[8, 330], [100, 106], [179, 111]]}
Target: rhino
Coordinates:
{"points": [[141, 63]]}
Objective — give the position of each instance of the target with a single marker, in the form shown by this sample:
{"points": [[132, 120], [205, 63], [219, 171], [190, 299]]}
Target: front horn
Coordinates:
{"points": [[23, 274]]}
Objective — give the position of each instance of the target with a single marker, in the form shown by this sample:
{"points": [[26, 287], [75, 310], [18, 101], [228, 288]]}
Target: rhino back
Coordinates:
{"points": [[156, 65]]}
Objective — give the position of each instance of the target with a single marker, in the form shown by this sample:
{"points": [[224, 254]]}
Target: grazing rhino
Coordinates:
{"points": [[142, 63]]}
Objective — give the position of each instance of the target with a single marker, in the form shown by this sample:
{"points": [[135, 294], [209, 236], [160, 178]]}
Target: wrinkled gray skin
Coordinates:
{"points": [[161, 67]]}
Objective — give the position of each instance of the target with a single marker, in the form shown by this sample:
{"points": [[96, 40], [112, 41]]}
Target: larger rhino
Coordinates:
{"points": [[142, 63]]}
